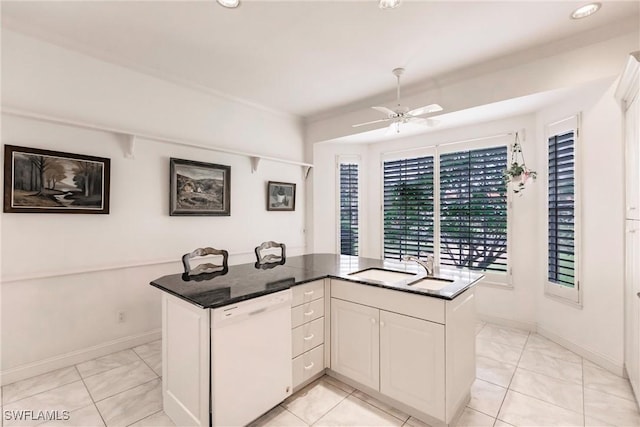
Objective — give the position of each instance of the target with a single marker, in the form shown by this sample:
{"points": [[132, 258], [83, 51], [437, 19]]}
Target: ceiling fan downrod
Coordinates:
{"points": [[398, 72]]}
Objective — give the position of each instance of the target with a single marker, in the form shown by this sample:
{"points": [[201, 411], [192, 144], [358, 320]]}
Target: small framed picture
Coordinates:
{"points": [[199, 189], [281, 196], [44, 181]]}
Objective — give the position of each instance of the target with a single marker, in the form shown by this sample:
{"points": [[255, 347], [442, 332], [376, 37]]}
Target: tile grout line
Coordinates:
{"points": [[330, 409], [90, 396], [40, 392], [150, 415], [513, 375], [129, 389], [280, 405], [111, 369], [549, 376], [377, 407], [145, 362]]}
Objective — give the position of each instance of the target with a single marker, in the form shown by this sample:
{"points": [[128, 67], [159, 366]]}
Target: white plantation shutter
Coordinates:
{"points": [[408, 207], [561, 205], [473, 209], [348, 209]]}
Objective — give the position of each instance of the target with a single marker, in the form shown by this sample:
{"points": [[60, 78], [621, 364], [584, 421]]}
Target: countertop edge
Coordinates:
{"points": [[322, 277]]}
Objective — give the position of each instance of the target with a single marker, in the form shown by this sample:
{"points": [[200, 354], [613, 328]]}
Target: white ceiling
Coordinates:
{"points": [[303, 57]]}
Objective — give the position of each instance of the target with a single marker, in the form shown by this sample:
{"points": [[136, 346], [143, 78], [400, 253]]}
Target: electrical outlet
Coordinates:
{"points": [[121, 317]]}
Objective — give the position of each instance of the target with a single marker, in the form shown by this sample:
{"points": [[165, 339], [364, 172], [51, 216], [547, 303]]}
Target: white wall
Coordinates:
{"points": [[597, 326], [51, 316]]}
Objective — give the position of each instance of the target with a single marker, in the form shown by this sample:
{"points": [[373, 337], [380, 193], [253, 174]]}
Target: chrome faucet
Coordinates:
{"points": [[427, 264]]}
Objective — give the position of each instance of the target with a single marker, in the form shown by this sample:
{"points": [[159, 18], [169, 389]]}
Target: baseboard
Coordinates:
{"points": [[592, 356], [78, 356], [509, 323]]}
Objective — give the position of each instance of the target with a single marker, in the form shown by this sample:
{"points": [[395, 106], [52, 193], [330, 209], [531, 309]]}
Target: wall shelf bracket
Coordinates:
{"points": [[130, 149], [255, 161], [305, 171]]}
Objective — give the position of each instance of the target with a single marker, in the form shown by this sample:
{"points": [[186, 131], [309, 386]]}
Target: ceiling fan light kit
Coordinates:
{"points": [[388, 4], [401, 114], [586, 10], [230, 4]]}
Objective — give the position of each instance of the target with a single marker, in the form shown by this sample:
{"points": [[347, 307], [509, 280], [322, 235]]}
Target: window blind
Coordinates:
{"points": [[561, 198], [473, 209], [349, 209], [408, 207]]}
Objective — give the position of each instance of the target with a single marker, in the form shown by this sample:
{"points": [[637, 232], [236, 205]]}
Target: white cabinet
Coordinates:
{"points": [[401, 356], [628, 93], [632, 304], [413, 351], [185, 361], [355, 342], [412, 362]]}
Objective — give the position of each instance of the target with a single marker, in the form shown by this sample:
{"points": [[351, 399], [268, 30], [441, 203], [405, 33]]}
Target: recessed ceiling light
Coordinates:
{"points": [[229, 3], [388, 4], [586, 10]]}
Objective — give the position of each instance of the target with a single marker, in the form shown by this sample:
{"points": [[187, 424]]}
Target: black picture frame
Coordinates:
{"points": [[199, 188], [45, 181], [281, 196]]}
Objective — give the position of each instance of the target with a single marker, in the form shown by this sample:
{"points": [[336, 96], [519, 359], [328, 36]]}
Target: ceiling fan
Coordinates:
{"points": [[401, 114]]}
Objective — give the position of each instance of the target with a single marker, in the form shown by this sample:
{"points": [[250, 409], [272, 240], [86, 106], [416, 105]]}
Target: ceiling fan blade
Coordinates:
{"points": [[385, 110], [433, 108], [424, 122], [370, 123]]}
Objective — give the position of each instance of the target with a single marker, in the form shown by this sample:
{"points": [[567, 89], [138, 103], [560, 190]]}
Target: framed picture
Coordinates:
{"points": [[281, 196], [43, 181], [200, 189]]}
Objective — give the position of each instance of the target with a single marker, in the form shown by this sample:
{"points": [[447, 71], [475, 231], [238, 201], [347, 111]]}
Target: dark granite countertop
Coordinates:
{"points": [[246, 281]]}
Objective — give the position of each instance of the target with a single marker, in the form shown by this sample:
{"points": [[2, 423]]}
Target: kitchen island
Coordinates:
{"points": [[371, 323]]}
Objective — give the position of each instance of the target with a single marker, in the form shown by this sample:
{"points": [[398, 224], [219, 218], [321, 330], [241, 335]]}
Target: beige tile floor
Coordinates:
{"points": [[523, 379]]}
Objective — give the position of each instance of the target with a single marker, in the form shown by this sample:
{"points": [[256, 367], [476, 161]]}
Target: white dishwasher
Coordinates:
{"points": [[250, 358]]}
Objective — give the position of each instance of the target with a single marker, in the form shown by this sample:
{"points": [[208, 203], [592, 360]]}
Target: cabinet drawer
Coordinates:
{"points": [[307, 336], [307, 312], [307, 365], [307, 292]]}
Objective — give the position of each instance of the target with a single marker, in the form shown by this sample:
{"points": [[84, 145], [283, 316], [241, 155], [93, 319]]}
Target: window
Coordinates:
{"points": [[408, 207], [562, 215], [473, 209], [348, 208], [452, 203]]}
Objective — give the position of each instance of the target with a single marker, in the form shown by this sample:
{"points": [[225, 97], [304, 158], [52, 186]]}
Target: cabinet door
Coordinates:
{"points": [[355, 342], [632, 305], [412, 362]]}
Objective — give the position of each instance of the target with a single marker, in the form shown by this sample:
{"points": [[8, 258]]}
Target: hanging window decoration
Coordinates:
{"points": [[517, 174]]}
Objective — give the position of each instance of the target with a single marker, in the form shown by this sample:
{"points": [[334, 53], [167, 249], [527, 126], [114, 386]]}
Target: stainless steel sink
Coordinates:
{"points": [[432, 284], [381, 275]]}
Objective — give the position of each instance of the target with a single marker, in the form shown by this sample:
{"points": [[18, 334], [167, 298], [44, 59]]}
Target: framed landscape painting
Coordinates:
{"points": [[281, 196], [44, 181], [201, 189]]}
